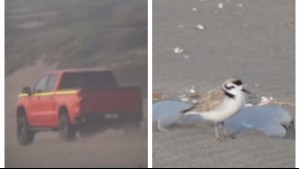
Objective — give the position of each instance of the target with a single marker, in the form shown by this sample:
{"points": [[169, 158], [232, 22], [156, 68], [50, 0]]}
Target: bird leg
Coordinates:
{"points": [[226, 135], [217, 132]]}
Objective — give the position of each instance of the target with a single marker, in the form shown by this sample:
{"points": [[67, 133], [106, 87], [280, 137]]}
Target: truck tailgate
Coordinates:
{"points": [[111, 100]]}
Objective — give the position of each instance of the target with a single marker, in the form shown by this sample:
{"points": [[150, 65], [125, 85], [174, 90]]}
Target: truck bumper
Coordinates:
{"points": [[107, 119]]}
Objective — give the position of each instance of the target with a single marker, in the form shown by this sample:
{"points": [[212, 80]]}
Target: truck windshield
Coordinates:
{"points": [[75, 80]]}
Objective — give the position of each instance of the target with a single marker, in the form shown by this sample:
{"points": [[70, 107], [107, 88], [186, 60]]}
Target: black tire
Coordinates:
{"points": [[66, 130], [24, 135]]}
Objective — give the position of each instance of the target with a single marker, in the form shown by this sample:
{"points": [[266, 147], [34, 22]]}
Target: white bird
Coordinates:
{"points": [[220, 103]]}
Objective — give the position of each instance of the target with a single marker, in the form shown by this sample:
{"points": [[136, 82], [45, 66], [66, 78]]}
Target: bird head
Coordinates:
{"points": [[234, 86]]}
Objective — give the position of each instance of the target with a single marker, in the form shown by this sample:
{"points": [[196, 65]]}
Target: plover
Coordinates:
{"points": [[220, 103]]}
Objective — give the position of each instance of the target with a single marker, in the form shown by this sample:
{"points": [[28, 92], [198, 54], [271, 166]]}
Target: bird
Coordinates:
{"points": [[220, 104]]}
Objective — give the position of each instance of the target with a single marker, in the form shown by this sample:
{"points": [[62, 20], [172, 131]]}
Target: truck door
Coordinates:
{"points": [[36, 102], [42, 102], [49, 114]]}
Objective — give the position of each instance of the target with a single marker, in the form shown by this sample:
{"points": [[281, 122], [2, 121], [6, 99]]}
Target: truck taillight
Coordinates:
{"points": [[78, 96], [78, 101]]}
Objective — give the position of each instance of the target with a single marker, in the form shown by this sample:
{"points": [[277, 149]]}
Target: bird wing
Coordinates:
{"points": [[208, 101]]}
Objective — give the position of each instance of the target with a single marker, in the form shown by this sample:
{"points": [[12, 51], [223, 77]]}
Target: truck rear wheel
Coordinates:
{"points": [[25, 136], [66, 130]]}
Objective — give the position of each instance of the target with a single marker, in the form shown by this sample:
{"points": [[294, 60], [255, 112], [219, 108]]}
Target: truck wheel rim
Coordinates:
{"points": [[63, 129], [21, 131]]}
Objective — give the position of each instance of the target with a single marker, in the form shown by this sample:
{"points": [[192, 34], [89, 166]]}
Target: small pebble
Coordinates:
{"points": [[220, 5], [257, 85], [178, 50], [240, 5], [200, 27], [186, 56]]}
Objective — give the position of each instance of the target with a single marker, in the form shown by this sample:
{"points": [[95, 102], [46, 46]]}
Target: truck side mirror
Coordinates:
{"points": [[27, 90]]}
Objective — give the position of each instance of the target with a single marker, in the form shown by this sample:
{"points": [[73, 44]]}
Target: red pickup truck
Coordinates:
{"points": [[76, 100]]}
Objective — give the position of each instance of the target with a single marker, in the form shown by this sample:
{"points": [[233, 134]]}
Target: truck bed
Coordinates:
{"points": [[121, 100]]}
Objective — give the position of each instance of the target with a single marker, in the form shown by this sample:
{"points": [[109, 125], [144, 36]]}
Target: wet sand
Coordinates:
{"points": [[253, 40]]}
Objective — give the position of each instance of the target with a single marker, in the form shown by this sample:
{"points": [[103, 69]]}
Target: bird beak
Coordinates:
{"points": [[246, 91]]}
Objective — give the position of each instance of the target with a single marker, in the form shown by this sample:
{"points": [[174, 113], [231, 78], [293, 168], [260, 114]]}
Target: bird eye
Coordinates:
{"points": [[238, 82]]}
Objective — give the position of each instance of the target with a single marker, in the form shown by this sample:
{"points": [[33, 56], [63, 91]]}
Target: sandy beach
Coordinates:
{"points": [[253, 40]]}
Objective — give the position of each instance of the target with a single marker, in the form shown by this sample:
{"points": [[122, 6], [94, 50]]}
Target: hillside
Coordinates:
{"points": [[74, 33]]}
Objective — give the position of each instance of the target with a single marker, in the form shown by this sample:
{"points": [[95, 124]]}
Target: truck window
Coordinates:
{"points": [[41, 85], [51, 83], [92, 79]]}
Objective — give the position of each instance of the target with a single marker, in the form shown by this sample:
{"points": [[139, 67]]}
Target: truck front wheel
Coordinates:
{"points": [[25, 136], [66, 130]]}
